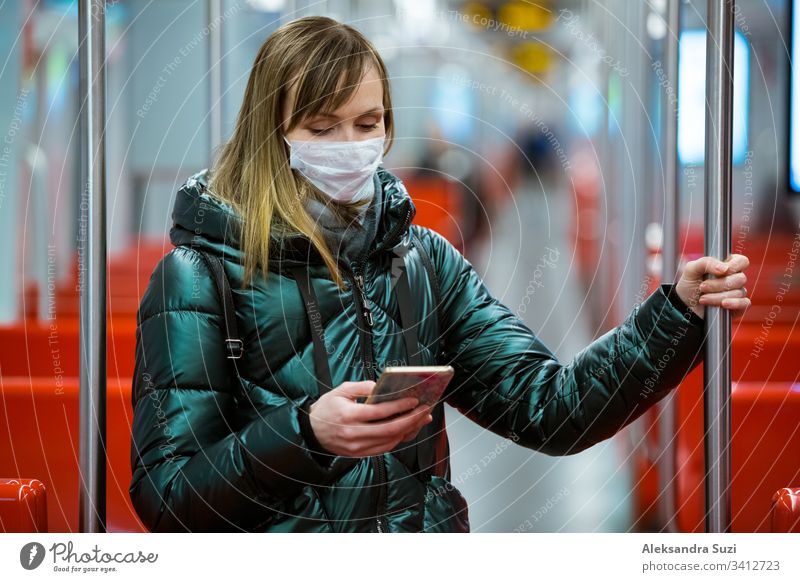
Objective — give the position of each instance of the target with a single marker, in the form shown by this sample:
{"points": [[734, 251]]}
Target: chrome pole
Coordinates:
{"points": [[44, 271], [214, 14], [636, 193], [670, 254], [604, 279], [92, 267], [14, 99], [634, 202], [717, 367]]}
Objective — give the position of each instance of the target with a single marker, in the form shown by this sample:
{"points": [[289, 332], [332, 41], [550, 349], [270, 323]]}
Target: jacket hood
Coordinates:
{"points": [[204, 221]]}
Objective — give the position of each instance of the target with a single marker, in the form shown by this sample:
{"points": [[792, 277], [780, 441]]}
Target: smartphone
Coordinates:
{"points": [[426, 383]]}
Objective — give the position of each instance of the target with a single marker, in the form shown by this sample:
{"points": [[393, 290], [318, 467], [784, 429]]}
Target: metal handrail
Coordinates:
{"points": [[214, 23], [667, 462], [92, 268], [717, 367]]}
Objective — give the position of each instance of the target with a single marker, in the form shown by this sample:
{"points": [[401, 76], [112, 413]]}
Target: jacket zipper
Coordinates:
{"points": [[364, 312], [366, 322]]}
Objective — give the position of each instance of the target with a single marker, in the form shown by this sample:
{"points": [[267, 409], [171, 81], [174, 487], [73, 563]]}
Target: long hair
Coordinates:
{"points": [[325, 61]]}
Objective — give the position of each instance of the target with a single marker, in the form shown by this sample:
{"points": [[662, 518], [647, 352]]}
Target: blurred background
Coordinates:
{"points": [[529, 134]]}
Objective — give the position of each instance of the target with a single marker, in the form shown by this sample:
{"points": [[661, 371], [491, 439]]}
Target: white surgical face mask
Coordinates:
{"points": [[341, 169]]}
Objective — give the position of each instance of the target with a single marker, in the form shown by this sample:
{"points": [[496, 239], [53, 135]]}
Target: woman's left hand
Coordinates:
{"points": [[725, 289]]}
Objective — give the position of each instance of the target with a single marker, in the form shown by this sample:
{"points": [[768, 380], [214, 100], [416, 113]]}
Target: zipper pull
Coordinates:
{"points": [[364, 300], [360, 282]]}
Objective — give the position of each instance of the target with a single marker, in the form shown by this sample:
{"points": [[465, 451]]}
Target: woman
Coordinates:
{"points": [[343, 286]]}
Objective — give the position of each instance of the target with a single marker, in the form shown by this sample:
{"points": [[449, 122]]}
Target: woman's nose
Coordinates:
{"points": [[349, 134]]}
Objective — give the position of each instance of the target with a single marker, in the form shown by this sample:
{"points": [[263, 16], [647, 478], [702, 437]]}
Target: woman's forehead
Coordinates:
{"points": [[366, 98]]}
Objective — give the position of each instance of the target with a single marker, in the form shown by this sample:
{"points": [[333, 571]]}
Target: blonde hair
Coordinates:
{"points": [[325, 60]]}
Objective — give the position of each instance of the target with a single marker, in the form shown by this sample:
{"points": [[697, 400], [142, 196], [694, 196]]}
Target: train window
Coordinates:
{"points": [[692, 91]]}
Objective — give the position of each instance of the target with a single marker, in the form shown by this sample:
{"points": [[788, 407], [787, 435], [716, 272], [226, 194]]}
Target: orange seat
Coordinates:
{"points": [[769, 285], [760, 314], [42, 418], [765, 353], [128, 273], [757, 353], [765, 453], [786, 510], [439, 206], [122, 298], [52, 349], [23, 505]]}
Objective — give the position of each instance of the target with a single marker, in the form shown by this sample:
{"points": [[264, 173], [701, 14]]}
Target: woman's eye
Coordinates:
{"points": [[319, 131], [369, 127]]}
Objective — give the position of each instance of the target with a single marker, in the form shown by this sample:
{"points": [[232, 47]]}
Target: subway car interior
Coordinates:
{"points": [[559, 145]]}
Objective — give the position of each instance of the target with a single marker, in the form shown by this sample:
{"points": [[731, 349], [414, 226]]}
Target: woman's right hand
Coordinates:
{"points": [[348, 428]]}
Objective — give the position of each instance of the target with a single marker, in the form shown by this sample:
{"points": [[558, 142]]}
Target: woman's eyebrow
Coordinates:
{"points": [[332, 115]]}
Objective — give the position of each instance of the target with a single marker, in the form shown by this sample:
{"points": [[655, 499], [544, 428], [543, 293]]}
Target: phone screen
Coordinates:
{"points": [[426, 383]]}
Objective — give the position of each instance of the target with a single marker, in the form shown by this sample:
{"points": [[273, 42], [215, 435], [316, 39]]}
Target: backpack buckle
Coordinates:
{"points": [[235, 348]]}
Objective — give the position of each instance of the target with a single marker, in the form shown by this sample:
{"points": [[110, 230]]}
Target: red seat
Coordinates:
{"points": [[439, 206], [42, 419], [23, 505], [765, 353], [786, 510], [757, 354], [765, 450], [129, 272], [39, 390], [763, 285], [51, 349], [765, 366], [758, 315]]}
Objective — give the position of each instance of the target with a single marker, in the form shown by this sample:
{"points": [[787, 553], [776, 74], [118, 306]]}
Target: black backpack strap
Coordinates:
{"points": [[321, 365], [441, 353], [437, 293], [234, 346], [409, 325]]}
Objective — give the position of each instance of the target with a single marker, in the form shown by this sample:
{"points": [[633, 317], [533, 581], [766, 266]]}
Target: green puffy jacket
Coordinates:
{"points": [[205, 461]]}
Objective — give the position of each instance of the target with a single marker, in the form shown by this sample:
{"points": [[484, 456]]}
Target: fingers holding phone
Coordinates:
{"points": [[426, 383], [349, 428], [395, 429]]}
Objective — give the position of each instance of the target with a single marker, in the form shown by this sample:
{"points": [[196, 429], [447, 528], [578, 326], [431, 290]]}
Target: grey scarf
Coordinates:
{"points": [[348, 241]]}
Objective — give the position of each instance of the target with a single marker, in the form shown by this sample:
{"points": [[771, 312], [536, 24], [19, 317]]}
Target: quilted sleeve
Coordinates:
{"points": [[510, 383], [191, 470]]}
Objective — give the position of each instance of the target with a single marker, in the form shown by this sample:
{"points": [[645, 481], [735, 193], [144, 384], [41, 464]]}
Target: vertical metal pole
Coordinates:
{"points": [[14, 98], [291, 7], [92, 267], [717, 368], [670, 253], [43, 272], [214, 14], [634, 202], [604, 282], [636, 192]]}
